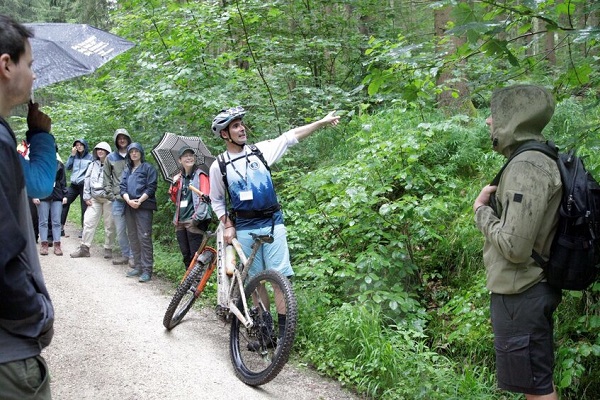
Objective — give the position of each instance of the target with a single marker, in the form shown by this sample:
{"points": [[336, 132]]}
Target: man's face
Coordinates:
{"points": [[122, 141], [237, 131], [22, 77]]}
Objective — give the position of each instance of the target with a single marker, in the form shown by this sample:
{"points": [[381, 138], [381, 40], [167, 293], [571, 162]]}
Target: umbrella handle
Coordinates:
{"points": [[196, 190]]}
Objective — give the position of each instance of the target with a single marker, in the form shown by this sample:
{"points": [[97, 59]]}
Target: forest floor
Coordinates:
{"points": [[110, 343]]}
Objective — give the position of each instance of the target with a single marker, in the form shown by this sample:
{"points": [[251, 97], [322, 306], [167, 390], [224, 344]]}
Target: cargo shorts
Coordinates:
{"points": [[523, 339]]}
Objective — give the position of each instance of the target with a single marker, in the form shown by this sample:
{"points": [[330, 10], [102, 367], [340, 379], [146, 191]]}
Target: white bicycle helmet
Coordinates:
{"points": [[224, 118]]}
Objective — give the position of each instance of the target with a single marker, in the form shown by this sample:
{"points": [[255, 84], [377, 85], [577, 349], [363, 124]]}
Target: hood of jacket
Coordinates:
{"points": [[135, 145], [519, 114], [121, 131], [102, 146], [86, 148]]}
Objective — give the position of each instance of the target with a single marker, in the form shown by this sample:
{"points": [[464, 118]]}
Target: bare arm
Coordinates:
{"points": [[304, 131]]}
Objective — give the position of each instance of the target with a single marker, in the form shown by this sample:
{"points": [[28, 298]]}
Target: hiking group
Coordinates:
{"points": [[517, 215]]}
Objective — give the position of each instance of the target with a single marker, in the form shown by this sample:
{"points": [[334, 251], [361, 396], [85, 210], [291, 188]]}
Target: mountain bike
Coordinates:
{"points": [[262, 310]]}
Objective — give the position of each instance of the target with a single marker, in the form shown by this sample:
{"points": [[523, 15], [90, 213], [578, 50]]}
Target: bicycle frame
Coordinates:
{"points": [[230, 289]]}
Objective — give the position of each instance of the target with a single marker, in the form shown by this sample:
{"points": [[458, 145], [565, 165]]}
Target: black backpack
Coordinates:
{"points": [[575, 253]]}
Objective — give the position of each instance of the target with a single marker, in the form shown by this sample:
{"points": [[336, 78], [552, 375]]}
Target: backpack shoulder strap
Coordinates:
{"points": [[548, 148], [223, 169], [256, 151]]}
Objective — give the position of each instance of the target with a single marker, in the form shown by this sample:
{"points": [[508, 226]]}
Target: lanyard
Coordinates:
{"points": [[245, 177]]}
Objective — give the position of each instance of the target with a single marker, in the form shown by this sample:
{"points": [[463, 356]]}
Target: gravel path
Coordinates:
{"points": [[109, 341]]}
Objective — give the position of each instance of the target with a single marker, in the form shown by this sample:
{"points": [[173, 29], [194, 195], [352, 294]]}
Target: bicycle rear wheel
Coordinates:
{"points": [[186, 295], [259, 353]]}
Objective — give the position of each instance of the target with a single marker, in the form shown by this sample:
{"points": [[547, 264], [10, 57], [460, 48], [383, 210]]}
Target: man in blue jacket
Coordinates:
{"points": [[26, 312]]}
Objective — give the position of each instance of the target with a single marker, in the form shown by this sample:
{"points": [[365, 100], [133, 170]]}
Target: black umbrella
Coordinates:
{"points": [[64, 51], [166, 153]]}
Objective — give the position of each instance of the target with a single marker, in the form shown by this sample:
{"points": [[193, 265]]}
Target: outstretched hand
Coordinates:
{"points": [[331, 118], [37, 121]]}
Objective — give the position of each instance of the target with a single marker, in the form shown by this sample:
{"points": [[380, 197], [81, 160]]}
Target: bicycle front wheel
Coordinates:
{"points": [[259, 353], [184, 298]]}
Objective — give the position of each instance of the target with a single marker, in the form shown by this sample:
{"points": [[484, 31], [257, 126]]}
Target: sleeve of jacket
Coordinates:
{"points": [[152, 181], [69, 163], [40, 169], [107, 180], [63, 181], [87, 190], [524, 192]]}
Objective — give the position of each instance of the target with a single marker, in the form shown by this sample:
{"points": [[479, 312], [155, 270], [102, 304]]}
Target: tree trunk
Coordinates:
{"points": [[450, 78]]}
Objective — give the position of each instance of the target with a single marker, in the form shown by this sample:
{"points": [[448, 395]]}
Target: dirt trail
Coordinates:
{"points": [[109, 341]]}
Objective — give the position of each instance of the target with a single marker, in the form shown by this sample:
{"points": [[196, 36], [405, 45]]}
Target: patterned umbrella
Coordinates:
{"points": [[63, 51], [166, 153]]}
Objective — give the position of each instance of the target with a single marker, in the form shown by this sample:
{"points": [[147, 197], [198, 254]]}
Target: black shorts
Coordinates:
{"points": [[523, 332]]}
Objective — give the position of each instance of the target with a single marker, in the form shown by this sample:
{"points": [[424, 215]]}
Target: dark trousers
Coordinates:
{"points": [[139, 232], [73, 191], [188, 240]]}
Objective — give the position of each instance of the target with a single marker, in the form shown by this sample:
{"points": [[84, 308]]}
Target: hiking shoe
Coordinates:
{"points": [[120, 260], [84, 251], [108, 253], [134, 272], [44, 249], [57, 249], [145, 277]]}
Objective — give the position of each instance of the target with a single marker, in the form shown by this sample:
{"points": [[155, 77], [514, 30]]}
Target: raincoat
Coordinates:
{"points": [[528, 194]]}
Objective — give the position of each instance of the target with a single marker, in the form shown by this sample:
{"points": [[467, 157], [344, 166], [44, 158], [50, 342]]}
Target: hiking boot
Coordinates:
{"points": [[120, 260], [134, 272], [145, 277], [108, 253], [44, 249], [57, 250], [84, 251]]}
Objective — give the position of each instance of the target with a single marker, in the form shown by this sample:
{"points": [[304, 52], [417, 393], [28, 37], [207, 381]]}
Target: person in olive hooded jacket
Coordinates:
{"points": [[138, 189], [115, 163], [525, 219]]}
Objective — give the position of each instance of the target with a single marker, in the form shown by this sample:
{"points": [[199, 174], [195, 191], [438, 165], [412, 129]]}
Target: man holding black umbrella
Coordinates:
{"points": [[26, 312]]}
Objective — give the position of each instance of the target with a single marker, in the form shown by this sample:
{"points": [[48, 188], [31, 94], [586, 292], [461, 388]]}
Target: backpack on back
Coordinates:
{"points": [[575, 253]]}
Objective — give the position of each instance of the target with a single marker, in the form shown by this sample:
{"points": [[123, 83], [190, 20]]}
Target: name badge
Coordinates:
{"points": [[183, 203], [246, 195]]}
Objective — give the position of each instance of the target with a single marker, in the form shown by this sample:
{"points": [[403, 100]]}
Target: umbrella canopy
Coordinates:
{"points": [[166, 153], [63, 51]]}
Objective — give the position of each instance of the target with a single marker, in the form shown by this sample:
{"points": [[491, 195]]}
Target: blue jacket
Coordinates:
{"points": [[139, 181], [26, 312], [79, 163]]}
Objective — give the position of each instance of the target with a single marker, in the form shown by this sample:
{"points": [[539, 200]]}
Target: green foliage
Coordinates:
{"points": [[356, 344], [380, 226]]}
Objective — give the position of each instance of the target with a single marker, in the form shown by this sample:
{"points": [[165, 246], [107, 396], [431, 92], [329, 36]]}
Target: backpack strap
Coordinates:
{"points": [[223, 167], [256, 151], [549, 149]]}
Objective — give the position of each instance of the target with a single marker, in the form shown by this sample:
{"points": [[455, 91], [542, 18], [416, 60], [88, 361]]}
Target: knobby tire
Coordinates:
{"points": [[260, 366], [178, 307]]}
